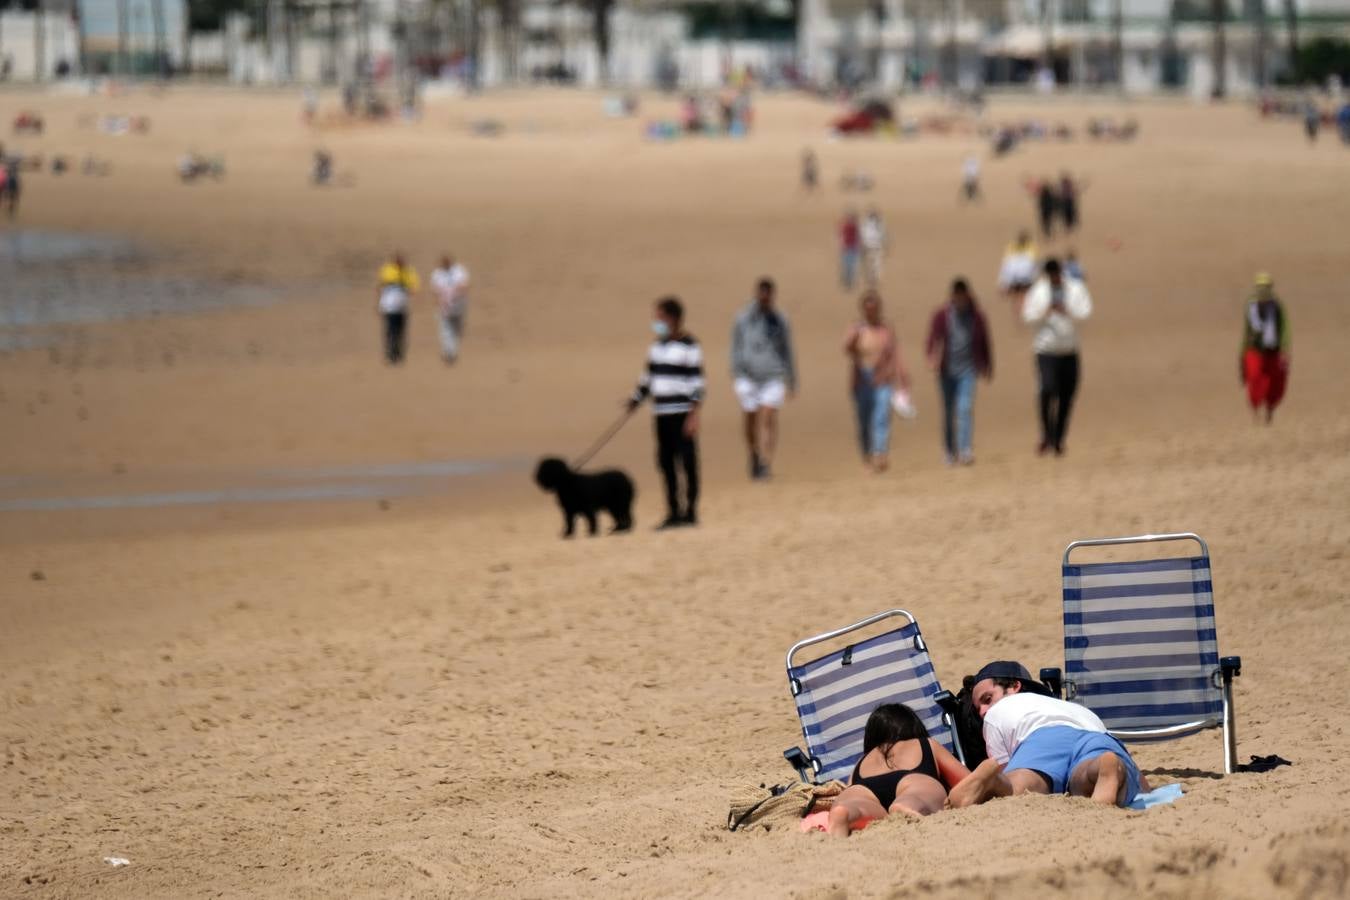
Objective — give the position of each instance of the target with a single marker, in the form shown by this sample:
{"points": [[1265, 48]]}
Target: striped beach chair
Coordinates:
{"points": [[835, 694], [1141, 649]]}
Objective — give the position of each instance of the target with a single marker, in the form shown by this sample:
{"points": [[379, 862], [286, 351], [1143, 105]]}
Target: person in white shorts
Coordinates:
{"points": [[451, 283], [763, 374], [872, 236]]}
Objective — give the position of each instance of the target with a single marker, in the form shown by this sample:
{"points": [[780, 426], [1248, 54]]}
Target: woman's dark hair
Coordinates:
{"points": [[1052, 266], [672, 307], [889, 724]]}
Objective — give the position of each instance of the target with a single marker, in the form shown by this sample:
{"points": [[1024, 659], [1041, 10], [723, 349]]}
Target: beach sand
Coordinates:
{"points": [[424, 692]]}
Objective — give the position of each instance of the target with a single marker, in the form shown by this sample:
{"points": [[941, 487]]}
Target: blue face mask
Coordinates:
{"points": [[660, 328]]}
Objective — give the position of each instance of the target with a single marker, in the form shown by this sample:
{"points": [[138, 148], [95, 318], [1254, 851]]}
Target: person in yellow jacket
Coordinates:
{"points": [[398, 282]]}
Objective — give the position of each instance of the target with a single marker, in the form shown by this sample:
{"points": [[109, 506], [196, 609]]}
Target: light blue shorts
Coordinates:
{"points": [[1056, 750]]}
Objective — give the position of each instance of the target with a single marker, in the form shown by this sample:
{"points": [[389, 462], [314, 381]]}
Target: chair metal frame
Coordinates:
{"points": [[807, 766], [1229, 667]]}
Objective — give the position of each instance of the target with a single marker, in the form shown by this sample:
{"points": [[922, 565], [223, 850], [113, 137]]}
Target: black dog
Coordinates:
{"points": [[585, 495]]}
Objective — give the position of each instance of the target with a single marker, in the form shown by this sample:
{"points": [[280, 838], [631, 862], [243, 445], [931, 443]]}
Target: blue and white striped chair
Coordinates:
{"points": [[1141, 648], [836, 693]]}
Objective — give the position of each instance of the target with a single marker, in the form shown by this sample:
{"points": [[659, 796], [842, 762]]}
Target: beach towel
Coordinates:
{"points": [[1168, 793]]}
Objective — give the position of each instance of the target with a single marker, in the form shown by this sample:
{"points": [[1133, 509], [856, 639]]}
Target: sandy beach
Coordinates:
{"points": [[279, 620]]}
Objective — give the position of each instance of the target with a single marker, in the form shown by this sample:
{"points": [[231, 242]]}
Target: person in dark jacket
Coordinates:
{"points": [[959, 352]]}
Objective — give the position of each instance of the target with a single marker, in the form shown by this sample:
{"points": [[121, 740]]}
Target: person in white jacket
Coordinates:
{"points": [[1053, 306]]}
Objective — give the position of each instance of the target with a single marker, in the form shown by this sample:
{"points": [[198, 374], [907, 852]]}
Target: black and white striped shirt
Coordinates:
{"points": [[674, 376]]}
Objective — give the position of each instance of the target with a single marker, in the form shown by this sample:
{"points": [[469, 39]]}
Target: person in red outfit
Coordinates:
{"points": [[1264, 364]]}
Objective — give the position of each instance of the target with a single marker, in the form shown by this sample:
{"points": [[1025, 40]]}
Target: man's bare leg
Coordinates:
{"points": [[852, 809], [769, 437], [989, 781], [1102, 778], [752, 440]]}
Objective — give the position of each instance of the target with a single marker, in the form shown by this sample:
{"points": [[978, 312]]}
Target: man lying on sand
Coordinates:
{"points": [[1038, 744]]}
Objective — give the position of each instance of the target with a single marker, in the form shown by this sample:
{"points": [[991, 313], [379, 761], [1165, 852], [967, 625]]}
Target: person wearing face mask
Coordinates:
{"points": [[674, 381], [1264, 364], [1052, 307]]}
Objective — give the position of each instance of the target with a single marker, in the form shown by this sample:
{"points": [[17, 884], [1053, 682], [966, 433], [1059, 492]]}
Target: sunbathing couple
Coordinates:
{"points": [[1036, 744]]}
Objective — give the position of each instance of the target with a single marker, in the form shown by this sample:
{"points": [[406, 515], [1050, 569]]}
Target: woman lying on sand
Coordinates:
{"points": [[902, 770]]}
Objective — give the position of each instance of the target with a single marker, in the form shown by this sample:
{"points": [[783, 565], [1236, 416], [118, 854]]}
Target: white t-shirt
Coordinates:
{"points": [[393, 298], [872, 233], [451, 286], [971, 168], [1012, 719]]}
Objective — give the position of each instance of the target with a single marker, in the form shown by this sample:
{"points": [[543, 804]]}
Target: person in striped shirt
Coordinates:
{"points": [[674, 381]]}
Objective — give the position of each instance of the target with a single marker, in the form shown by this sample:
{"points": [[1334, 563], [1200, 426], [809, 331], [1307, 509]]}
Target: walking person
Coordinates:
{"points": [[872, 237], [876, 369], [849, 250], [398, 282], [959, 352], [674, 381], [1053, 306], [970, 179], [763, 374], [1017, 271], [450, 281], [1069, 191], [1264, 364], [810, 171], [1047, 204], [10, 184]]}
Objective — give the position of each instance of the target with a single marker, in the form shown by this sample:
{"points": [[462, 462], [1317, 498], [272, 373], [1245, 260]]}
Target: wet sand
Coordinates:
{"points": [[435, 696]]}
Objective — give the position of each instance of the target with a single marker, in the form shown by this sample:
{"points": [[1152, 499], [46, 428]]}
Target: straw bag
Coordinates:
{"points": [[779, 805]]}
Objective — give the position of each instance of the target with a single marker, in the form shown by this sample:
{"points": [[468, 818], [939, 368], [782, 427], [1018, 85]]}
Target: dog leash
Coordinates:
{"points": [[604, 439]]}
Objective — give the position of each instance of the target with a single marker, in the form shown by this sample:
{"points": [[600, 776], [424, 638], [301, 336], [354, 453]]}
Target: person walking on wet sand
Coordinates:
{"points": [[1264, 365], [876, 369], [674, 381], [1069, 192], [1047, 204], [398, 282], [450, 281], [1053, 306]]}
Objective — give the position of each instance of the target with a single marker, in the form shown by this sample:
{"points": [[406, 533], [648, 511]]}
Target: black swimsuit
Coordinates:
{"points": [[884, 785]]}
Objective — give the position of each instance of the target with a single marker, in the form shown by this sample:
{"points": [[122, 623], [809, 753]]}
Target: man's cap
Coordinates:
{"points": [[1007, 668], [1264, 280]]}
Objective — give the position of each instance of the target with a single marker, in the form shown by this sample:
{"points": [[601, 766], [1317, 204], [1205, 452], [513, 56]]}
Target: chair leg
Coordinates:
{"points": [[1230, 667]]}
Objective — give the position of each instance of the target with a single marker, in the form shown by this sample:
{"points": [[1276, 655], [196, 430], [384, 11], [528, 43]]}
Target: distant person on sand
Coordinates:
{"points": [[902, 770], [959, 352], [398, 282], [810, 171], [970, 179], [1053, 306], [849, 249], [1312, 119], [450, 281], [1017, 271], [872, 237], [1047, 204], [763, 373], [9, 185], [876, 369], [1264, 365], [1069, 191], [674, 381], [1038, 744]]}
